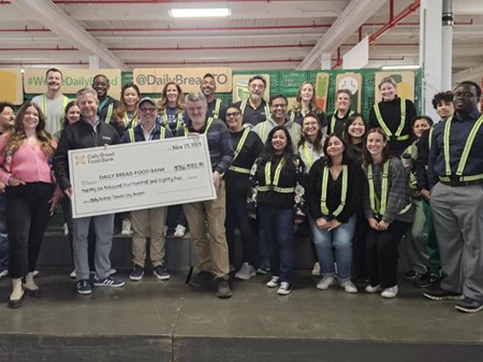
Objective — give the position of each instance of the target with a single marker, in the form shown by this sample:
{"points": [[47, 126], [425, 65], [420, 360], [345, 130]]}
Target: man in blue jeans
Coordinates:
{"points": [[7, 121]]}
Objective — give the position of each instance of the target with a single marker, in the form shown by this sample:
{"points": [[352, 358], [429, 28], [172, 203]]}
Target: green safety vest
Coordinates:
{"points": [[110, 109], [216, 112], [179, 122], [132, 139], [208, 125], [378, 206], [343, 195], [397, 136], [238, 149], [65, 102], [464, 156], [244, 103], [269, 185], [333, 120]]}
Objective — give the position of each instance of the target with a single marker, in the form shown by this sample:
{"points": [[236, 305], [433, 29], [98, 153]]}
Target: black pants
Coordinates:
{"points": [[237, 216], [382, 254], [359, 258], [27, 219]]}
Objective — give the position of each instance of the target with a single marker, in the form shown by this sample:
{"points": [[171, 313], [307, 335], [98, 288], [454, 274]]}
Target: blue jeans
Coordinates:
{"points": [[3, 235], [339, 239], [278, 227]]}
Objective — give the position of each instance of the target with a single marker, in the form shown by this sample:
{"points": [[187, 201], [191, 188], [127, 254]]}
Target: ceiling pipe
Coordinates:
{"points": [[185, 63], [269, 46], [240, 28], [108, 2], [395, 21]]}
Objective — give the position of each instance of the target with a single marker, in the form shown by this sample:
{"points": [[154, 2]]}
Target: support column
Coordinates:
{"points": [[447, 46], [325, 61], [93, 62], [430, 52]]}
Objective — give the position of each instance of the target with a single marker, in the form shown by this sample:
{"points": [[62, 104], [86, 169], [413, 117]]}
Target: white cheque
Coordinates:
{"points": [[140, 175]]}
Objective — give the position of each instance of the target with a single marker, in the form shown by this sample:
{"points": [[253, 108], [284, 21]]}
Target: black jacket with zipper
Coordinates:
{"points": [[78, 136]]}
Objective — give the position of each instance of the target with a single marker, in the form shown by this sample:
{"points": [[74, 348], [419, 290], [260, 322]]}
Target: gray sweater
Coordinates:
{"points": [[398, 194]]}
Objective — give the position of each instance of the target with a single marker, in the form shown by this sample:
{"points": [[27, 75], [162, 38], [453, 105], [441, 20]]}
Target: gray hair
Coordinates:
{"points": [[85, 91], [195, 97]]}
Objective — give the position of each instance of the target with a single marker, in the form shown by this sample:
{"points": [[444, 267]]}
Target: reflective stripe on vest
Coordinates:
{"points": [[133, 121], [378, 207], [402, 122], [208, 125], [343, 195], [65, 102], [238, 149], [268, 179], [110, 109], [244, 103], [162, 134], [216, 112], [179, 121], [464, 156], [333, 120]]}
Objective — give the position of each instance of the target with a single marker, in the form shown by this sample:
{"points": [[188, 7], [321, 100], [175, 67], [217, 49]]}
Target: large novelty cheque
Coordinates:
{"points": [[140, 175]]}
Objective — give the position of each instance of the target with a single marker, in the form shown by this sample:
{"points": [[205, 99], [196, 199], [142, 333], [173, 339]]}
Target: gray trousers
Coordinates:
{"points": [[417, 241], [458, 222], [104, 226]]}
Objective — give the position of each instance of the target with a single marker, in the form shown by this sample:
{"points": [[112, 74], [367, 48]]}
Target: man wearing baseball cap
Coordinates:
{"points": [[148, 220]]}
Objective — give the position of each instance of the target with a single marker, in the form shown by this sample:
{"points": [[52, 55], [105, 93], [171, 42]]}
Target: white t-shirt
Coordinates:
{"points": [[53, 110]]}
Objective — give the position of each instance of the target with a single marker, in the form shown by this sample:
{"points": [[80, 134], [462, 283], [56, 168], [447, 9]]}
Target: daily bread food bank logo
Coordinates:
{"points": [[80, 160]]}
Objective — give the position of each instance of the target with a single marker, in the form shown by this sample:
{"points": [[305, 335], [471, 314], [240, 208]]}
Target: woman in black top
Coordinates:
{"points": [[354, 132], [393, 115], [248, 147], [338, 119], [277, 193], [334, 196]]}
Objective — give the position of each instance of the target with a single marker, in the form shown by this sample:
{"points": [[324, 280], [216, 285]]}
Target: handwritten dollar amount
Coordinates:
{"points": [[189, 166]]}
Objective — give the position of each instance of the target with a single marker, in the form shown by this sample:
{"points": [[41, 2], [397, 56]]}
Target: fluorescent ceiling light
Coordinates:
{"points": [[391, 67], [199, 13]]}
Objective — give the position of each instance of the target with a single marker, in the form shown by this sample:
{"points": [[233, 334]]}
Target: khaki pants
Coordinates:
{"points": [[211, 252], [148, 222]]}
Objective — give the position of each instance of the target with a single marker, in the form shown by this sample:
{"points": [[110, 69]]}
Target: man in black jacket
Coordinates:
{"points": [[90, 131]]}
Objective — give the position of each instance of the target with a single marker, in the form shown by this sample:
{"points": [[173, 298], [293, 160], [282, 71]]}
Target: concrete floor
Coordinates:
{"points": [[153, 320]]}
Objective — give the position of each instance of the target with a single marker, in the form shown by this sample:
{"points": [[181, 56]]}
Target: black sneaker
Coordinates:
{"points": [[427, 280], [137, 273], [201, 278], [469, 305], [223, 290], [437, 293], [411, 275]]}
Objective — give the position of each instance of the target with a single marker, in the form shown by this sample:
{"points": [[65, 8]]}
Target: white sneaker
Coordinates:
{"points": [[73, 274], [166, 229], [273, 282], [285, 288], [179, 231], [390, 293], [349, 287], [3, 273], [126, 227], [66, 230], [246, 272], [373, 289], [316, 269], [325, 283], [36, 273]]}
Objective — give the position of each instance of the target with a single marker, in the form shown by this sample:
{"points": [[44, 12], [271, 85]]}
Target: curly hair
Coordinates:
{"points": [[268, 153], [17, 137]]}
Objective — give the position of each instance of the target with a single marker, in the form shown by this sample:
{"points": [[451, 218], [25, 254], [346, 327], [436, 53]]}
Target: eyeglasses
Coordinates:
{"points": [[146, 110], [233, 114]]}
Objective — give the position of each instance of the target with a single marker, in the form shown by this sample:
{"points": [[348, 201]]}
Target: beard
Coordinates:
{"points": [[255, 97]]}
